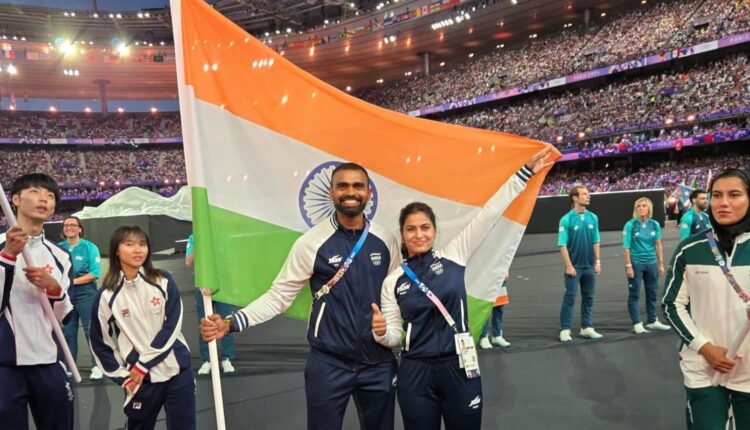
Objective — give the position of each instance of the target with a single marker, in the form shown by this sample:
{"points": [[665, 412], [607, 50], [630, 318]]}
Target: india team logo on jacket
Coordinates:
{"points": [[314, 200], [403, 288], [376, 258], [437, 267]]}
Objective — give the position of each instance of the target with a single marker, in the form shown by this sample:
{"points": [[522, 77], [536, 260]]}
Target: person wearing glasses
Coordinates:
{"points": [[86, 270]]}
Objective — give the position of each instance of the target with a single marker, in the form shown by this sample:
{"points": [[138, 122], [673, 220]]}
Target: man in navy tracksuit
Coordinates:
{"points": [[31, 375], [344, 359]]}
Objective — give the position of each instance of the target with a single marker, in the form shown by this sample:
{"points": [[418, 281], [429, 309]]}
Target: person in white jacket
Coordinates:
{"points": [[706, 300], [31, 376], [141, 307]]}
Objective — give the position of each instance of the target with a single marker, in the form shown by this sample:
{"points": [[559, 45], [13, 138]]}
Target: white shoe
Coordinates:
{"points": [[565, 335], [590, 333], [500, 341], [205, 368], [96, 373], [484, 343], [226, 366], [656, 325], [638, 328]]}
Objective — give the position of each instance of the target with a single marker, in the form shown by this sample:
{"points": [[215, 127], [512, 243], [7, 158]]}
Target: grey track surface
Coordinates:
{"points": [[619, 382]]}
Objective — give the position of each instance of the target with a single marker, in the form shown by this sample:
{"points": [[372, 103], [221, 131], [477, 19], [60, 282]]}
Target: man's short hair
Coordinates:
{"points": [[574, 191], [694, 195], [36, 180], [350, 166]]}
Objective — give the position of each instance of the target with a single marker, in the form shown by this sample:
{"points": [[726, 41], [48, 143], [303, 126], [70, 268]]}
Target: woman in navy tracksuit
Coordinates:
{"points": [[431, 384]]}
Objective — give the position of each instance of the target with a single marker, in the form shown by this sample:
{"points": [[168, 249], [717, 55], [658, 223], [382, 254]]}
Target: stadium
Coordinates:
{"points": [[145, 114]]}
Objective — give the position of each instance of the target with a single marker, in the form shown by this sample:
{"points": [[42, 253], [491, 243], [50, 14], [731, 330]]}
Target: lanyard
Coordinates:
{"points": [[730, 277], [325, 289], [430, 295]]}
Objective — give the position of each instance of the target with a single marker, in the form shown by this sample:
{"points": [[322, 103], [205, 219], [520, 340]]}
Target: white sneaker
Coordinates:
{"points": [[484, 343], [500, 341], [565, 335], [226, 366], [656, 325], [96, 373], [205, 368], [638, 328], [590, 333]]}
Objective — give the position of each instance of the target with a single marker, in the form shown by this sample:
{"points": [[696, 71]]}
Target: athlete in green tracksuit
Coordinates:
{"points": [[706, 311]]}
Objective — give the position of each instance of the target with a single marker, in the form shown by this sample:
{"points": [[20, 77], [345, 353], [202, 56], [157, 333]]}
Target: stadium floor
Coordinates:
{"points": [[619, 382]]}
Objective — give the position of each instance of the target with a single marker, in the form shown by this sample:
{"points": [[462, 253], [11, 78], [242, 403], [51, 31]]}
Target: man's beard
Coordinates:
{"points": [[347, 211]]}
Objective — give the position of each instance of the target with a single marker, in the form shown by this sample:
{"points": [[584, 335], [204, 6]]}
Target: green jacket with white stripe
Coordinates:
{"points": [[703, 307]]}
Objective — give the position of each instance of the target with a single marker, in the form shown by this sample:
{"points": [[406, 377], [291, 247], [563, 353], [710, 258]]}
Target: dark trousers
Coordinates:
{"points": [[328, 388], [176, 395], [708, 408], [648, 274], [44, 389], [431, 390], [586, 278]]}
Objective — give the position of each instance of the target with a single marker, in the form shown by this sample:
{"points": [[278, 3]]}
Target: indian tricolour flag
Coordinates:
{"points": [[262, 136]]}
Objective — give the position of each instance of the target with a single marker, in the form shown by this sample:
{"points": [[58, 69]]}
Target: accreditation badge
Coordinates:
{"points": [[467, 354]]}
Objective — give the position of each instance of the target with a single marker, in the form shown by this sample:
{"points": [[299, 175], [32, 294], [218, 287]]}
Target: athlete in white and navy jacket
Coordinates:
{"points": [[136, 335], [146, 319], [431, 383], [32, 376], [344, 359]]}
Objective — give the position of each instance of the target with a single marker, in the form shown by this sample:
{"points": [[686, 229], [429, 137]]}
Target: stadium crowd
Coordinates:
{"points": [[40, 127], [650, 29], [667, 175], [97, 173], [624, 104]]}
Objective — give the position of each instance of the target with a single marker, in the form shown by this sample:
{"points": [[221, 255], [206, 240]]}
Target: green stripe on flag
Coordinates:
{"points": [[479, 313], [228, 243]]}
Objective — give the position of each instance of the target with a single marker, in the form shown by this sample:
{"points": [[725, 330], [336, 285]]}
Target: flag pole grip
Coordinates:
{"points": [[213, 355]]}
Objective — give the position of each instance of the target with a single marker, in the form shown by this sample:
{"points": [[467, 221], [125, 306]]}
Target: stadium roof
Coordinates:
{"points": [[358, 61]]}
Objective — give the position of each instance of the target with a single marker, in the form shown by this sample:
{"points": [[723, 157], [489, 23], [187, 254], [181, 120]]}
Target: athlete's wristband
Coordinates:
{"points": [[628, 265]]}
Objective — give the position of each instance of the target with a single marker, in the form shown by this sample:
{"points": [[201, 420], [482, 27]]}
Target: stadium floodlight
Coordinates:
{"points": [[348, 89], [88, 110], [442, 63], [118, 16], [111, 15], [23, 38], [12, 70], [123, 49], [95, 15], [154, 109], [514, 2], [120, 110], [66, 14], [691, 117], [12, 107], [72, 14], [140, 15], [67, 48], [147, 15], [52, 109]]}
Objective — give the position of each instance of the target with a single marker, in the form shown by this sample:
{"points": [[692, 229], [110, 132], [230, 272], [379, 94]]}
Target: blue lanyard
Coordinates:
{"points": [[430, 295], [730, 277], [325, 289]]}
